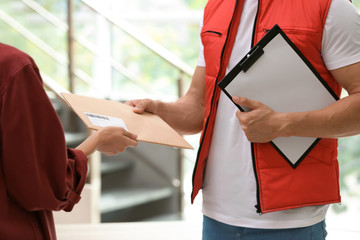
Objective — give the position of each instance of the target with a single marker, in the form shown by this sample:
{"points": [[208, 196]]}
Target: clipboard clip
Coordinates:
{"points": [[250, 58]]}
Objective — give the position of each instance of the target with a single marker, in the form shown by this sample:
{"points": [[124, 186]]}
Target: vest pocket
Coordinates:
{"points": [[210, 37], [212, 32]]}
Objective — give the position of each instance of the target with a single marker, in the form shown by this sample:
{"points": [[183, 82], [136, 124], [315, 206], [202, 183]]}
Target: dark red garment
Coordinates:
{"points": [[38, 174]]}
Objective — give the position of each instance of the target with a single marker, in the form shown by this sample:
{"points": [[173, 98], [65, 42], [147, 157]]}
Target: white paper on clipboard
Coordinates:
{"points": [[279, 76]]}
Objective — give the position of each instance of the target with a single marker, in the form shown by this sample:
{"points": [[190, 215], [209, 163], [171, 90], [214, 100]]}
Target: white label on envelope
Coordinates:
{"points": [[105, 121]]}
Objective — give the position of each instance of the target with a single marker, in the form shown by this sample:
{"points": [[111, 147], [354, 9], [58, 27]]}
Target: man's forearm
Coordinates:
{"points": [[184, 116], [340, 119]]}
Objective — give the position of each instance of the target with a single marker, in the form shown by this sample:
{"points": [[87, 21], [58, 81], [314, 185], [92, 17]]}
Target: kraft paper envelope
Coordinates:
{"points": [[97, 113]]}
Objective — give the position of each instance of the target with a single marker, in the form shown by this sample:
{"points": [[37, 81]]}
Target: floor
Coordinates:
{"points": [[172, 230]]}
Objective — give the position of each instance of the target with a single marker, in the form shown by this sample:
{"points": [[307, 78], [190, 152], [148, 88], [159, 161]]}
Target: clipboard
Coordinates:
{"points": [[97, 113], [277, 74]]}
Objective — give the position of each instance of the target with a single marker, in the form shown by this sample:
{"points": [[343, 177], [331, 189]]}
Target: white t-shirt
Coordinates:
{"points": [[229, 190]]}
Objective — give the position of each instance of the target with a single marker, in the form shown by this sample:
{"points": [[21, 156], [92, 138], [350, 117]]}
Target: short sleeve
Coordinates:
{"points": [[201, 58], [341, 36]]}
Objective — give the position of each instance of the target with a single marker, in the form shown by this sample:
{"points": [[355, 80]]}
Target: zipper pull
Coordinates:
{"points": [[258, 210]]}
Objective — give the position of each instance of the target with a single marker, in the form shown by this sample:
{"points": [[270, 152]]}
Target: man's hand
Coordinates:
{"points": [[142, 105], [261, 123]]}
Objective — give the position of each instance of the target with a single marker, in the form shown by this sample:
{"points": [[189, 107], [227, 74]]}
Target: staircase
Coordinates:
{"points": [[133, 191]]}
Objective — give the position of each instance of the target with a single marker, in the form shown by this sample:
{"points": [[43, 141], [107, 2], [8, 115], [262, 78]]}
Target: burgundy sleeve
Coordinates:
{"points": [[40, 172]]}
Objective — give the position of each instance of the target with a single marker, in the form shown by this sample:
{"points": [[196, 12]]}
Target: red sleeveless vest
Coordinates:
{"points": [[280, 186]]}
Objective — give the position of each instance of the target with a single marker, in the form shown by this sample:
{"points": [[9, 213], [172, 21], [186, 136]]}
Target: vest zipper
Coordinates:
{"points": [[212, 101], [257, 206]]}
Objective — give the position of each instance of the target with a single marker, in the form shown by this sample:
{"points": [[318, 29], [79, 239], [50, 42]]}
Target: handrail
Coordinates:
{"points": [[83, 41], [53, 86], [42, 45], [33, 38], [146, 41], [49, 17], [143, 39]]}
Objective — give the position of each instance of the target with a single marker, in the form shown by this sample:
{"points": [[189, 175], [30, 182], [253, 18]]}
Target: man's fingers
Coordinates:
{"points": [[242, 101], [138, 108], [130, 103], [137, 105]]}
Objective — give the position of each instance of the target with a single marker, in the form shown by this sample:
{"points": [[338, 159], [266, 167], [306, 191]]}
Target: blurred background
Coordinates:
{"points": [[121, 50]]}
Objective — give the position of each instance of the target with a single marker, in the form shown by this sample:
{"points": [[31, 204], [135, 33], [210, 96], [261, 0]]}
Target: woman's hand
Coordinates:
{"points": [[109, 140]]}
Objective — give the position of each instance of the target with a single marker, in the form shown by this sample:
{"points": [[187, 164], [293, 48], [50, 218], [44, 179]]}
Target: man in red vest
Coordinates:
{"points": [[249, 191], [38, 174]]}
